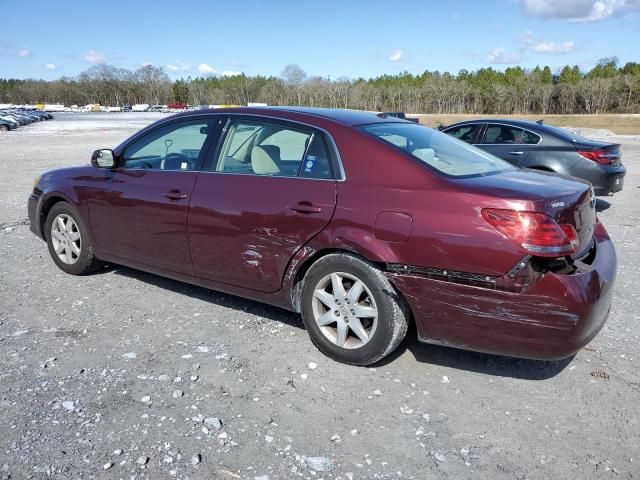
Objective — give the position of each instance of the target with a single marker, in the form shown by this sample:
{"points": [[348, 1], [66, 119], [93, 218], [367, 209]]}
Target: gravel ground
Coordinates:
{"points": [[123, 374]]}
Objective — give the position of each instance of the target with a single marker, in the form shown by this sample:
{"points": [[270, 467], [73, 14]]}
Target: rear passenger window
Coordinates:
{"points": [[290, 142], [257, 148], [530, 138], [317, 163], [501, 134]]}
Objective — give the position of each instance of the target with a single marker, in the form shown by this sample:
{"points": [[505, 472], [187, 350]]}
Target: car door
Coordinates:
{"points": [[138, 211], [269, 189], [503, 141]]}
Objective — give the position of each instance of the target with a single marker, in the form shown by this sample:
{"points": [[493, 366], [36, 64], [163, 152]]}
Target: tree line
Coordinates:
{"points": [[607, 87]]}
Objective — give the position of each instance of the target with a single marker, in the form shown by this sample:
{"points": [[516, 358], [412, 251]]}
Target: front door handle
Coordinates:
{"points": [[305, 207], [176, 195], [517, 153]]}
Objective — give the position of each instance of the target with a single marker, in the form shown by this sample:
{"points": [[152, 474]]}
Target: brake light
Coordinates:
{"points": [[599, 156], [537, 233], [572, 235]]}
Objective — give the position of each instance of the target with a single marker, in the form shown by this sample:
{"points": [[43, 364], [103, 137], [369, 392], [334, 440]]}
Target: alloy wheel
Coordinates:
{"points": [[65, 238], [344, 310]]}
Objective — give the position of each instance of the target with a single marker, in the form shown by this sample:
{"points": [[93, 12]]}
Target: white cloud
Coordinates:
{"points": [[553, 48], [230, 73], [545, 47], [206, 69], [51, 66], [396, 56], [178, 66], [501, 56], [24, 53], [527, 39], [93, 57], [579, 10]]}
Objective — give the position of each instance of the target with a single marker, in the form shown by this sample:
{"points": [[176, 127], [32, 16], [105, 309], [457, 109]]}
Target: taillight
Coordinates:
{"points": [[599, 156], [538, 234]]}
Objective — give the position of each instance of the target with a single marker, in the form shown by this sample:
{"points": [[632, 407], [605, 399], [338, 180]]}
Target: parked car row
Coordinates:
{"points": [[10, 119]]}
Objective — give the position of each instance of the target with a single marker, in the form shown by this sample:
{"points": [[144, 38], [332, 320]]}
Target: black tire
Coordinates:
{"points": [[392, 313], [4, 128], [84, 262]]}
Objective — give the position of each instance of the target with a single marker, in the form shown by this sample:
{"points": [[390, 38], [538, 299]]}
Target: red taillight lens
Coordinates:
{"points": [[571, 234], [536, 233], [598, 156]]}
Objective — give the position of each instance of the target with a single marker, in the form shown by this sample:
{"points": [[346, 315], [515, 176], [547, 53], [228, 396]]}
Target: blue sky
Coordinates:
{"points": [[352, 38]]}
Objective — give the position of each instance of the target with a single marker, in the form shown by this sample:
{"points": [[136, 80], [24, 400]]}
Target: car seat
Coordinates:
{"points": [[175, 161], [265, 159], [506, 136]]}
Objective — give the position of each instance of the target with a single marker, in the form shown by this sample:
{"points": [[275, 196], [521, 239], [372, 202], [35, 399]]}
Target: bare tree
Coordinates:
{"points": [[294, 76], [155, 82]]}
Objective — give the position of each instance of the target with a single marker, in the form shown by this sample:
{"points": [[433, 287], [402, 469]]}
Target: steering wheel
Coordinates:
{"points": [[175, 157]]}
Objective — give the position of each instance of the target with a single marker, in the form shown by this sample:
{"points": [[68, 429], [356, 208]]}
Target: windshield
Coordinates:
{"points": [[438, 150]]}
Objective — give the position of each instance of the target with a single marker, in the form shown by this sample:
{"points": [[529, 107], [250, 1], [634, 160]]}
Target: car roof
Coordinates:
{"points": [[510, 121], [529, 125], [541, 129], [343, 116]]}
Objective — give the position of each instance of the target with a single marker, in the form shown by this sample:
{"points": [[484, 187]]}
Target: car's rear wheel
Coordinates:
{"points": [[68, 241], [4, 128], [351, 311]]}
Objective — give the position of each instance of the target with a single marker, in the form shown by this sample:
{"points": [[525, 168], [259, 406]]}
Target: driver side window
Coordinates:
{"points": [[173, 147]]}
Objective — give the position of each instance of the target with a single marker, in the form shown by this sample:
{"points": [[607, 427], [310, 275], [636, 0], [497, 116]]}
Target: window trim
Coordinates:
{"points": [[486, 125], [216, 142], [332, 149]]}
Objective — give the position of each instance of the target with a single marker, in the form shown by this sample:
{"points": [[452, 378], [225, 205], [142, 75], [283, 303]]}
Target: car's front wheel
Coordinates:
{"points": [[351, 311], [68, 241]]}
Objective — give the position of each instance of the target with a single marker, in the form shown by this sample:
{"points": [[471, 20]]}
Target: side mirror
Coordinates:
{"points": [[103, 158]]}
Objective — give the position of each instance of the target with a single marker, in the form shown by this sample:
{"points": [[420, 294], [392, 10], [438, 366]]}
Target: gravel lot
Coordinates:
{"points": [[123, 374]]}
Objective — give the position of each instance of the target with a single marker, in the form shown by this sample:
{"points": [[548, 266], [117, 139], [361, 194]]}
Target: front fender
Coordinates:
{"points": [[67, 185]]}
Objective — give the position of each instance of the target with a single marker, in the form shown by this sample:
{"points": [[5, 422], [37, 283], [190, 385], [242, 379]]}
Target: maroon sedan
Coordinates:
{"points": [[365, 225]]}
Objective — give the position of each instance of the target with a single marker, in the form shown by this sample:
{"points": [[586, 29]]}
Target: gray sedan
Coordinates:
{"points": [[543, 147]]}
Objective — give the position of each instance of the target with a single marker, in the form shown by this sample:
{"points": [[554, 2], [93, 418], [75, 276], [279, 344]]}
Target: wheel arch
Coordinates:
{"points": [[47, 205], [301, 269]]}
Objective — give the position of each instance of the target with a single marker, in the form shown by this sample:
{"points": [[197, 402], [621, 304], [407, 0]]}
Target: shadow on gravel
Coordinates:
{"points": [[487, 364], [602, 205], [210, 296], [433, 354]]}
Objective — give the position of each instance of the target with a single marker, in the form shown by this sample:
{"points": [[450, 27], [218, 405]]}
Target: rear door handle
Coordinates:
{"points": [[176, 195], [517, 153], [305, 207]]}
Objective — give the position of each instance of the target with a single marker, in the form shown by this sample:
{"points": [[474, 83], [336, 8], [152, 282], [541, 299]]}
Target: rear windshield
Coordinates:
{"points": [[567, 134], [439, 151]]}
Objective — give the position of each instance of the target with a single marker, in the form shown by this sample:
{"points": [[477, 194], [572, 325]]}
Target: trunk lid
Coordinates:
{"points": [[568, 200], [577, 209]]}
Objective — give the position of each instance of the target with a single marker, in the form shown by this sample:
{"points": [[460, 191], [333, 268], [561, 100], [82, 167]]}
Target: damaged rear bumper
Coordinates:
{"points": [[554, 318]]}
